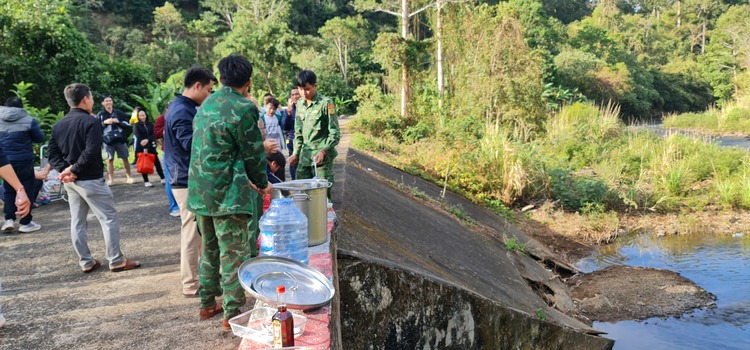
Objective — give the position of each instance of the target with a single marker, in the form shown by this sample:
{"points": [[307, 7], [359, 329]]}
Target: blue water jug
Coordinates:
{"points": [[283, 231]]}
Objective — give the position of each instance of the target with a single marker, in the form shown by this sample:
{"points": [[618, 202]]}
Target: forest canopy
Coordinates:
{"points": [[650, 57]]}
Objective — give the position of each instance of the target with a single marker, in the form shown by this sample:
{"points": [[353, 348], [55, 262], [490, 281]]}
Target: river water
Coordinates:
{"points": [[726, 141], [719, 264]]}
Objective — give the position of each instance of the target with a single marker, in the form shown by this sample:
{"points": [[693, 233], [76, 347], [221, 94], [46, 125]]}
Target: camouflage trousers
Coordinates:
{"points": [[325, 171], [252, 224], [225, 245]]}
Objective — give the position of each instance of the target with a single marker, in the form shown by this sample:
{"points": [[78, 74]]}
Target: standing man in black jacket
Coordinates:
{"points": [[75, 151], [114, 120]]}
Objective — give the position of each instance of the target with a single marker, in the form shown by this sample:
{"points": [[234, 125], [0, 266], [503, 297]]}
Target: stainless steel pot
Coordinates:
{"points": [[310, 196]]}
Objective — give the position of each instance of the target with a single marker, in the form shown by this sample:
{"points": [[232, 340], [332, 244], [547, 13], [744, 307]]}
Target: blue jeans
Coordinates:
{"points": [[25, 173], [290, 149], [172, 202]]}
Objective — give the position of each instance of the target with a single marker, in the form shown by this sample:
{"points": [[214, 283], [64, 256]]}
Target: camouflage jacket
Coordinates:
{"points": [[227, 150], [316, 129]]}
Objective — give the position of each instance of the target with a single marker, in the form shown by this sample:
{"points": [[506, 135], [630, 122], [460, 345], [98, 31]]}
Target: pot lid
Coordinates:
{"points": [[302, 185], [306, 288]]}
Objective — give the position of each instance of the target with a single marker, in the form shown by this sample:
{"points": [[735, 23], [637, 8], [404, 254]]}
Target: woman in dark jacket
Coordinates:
{"points": [[144, 131]]}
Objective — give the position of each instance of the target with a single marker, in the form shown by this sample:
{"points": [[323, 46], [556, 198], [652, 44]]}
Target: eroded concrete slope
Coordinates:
{"points": [[413, 277]]}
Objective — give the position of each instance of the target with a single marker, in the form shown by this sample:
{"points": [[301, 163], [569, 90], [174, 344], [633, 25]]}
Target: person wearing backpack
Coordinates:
{"points": [[115, 125]]}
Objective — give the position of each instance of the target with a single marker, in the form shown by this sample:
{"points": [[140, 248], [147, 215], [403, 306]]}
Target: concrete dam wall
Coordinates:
{"points": [[412, 276]]}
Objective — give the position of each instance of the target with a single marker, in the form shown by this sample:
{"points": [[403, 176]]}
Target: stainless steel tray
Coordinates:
{"points": [[306, 287]]}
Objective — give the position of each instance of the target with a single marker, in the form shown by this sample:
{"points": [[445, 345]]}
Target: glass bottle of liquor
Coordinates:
{"points": [[282, 322]]}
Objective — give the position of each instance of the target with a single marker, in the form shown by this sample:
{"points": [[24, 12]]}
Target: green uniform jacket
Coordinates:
{"points": [[316, 129], [227, 151]]}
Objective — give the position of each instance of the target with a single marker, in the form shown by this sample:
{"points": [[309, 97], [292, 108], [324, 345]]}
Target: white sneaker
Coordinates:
{"points": [[162, 181], [30, 227], [9, 225], [148, 184], [175, 213]]}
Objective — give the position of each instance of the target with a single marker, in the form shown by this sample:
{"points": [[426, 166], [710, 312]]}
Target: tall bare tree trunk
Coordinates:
{"points": [[439, 34], [679, 13], [404, 67]]}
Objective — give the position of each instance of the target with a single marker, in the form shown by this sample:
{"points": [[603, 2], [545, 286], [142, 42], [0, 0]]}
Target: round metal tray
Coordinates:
{"points": [[306, 287]]}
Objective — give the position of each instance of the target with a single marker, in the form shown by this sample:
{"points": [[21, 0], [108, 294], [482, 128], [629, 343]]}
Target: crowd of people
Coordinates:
{"points": [[221, 155]]}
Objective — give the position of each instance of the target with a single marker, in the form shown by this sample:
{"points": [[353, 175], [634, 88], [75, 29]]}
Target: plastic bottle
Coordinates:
{"points": [[331, 214], [283, 231]]}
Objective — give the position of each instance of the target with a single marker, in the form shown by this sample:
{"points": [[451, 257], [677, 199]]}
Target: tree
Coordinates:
{"points": [[224, 9], [168, 23], [260, 10], [567, 10], [402, 10], [494, 75], [728, 53], [347, 35], [704, 9], [268, 44], [115, 38], [204, 31], [42, 46]]}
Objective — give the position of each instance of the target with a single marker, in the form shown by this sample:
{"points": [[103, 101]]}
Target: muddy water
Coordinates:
{"points": [[719, 264]]}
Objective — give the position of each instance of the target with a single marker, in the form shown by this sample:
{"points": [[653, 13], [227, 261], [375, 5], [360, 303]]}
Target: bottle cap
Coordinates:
{"points": [[280, 289]]}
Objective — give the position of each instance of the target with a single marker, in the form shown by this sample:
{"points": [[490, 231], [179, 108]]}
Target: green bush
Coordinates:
{"points": [[576, 192]]}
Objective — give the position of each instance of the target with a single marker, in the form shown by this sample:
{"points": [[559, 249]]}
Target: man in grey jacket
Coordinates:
{"points": [[18, 132]]}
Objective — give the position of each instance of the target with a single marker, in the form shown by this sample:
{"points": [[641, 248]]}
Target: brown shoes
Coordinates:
{"points": [[127, 265], [226, 325], [209, 313], [93, 268]]}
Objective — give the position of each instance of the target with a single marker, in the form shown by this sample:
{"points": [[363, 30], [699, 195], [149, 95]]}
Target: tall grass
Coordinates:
{"points": [[585, 158], [733, 117]]}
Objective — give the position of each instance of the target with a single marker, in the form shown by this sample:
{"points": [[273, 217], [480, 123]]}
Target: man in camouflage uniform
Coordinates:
{"points": [[227, 151], [316, 131]]}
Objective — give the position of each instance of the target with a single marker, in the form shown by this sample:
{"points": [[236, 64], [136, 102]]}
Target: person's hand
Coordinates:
{"points": [[145, 151], [67, 175], [289, 104], [41, 174], [319, 157], [115, 120], [271, 145], [268, 189], [144, 142], [252, 186], [23, 205], [292, 160]]}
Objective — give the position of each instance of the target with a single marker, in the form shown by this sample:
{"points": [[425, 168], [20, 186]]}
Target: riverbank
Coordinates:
{"points": [[733, 119]]}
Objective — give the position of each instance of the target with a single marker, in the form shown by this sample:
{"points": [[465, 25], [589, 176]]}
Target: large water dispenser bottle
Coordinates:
{"points": [[283, 231]]}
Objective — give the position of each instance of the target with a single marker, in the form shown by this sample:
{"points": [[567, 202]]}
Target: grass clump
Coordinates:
{"points": [[733, 117], [513, 245]]}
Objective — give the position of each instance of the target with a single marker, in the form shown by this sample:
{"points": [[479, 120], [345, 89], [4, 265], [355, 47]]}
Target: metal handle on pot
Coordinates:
{"points": [[302, 196]]}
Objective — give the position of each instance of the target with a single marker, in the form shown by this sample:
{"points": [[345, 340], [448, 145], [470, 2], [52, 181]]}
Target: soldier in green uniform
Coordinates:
{"points": [[227, 151], [316, 131]]}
